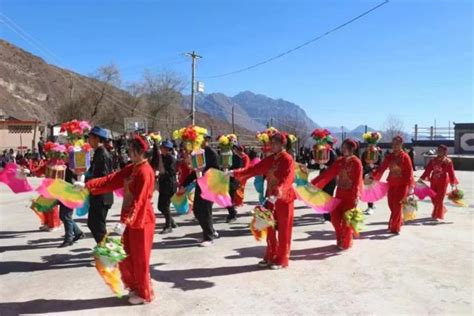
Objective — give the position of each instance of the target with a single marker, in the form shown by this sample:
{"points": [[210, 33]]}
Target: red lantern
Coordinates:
{"points": [[321, 154]]}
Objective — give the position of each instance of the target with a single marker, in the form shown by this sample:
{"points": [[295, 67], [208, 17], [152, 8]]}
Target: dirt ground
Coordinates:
{"points": [[428, 269]]}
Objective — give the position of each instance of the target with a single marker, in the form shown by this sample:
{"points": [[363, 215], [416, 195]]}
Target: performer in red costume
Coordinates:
{"points": [[239, 150], [348, 170], [279, 170], [137, 220], [400, 181], [440, 172]]}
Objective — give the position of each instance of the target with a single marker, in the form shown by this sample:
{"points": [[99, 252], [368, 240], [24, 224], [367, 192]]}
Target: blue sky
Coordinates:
{"points": [[410, 58]]}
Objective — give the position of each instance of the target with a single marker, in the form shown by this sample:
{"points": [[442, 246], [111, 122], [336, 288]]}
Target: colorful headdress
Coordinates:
{"points": [[398, 138], [192, 136], [372, 137], [155, 137], [322, 136], [351, 143], [142, 142], [265, 136], [226, 142]]}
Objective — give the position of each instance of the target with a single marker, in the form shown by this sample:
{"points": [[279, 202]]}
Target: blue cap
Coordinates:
{"points": [[100, 132], [167, 144]]}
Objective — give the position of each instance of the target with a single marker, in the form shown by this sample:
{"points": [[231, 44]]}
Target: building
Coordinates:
{"points": [[18, 134]]}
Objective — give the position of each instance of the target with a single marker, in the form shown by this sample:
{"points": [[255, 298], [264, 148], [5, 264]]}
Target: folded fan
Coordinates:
{"points": [[12, 176], [63, 191], [108, 254], [457, 197], [316, 198], [422, 190], [301, 174], [261, 221], [374, 191], [214, 186]]}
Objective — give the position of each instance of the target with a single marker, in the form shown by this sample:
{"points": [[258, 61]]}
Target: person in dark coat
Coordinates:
{"points": [[101, 165], [166, 183], [331, 186], [202, 208], [237, 163], [72, 232]]}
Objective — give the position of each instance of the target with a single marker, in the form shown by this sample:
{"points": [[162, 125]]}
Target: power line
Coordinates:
{"points": [[266, 61]]}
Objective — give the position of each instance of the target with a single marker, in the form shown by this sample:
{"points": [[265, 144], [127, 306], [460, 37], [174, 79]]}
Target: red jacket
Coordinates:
{"points": [[401, 170], [138, 180], [349, 176], [279, 171], [441, 170]]}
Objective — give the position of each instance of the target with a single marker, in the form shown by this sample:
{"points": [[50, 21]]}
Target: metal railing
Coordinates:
{"points": [[433, 133]]}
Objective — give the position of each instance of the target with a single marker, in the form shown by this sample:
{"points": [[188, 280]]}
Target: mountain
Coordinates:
{"points": [[254, 111], [31, 89]]}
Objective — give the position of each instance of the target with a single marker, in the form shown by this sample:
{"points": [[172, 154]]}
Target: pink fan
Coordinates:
{"points": [[374, 191], [422, 190], [12, 176]]}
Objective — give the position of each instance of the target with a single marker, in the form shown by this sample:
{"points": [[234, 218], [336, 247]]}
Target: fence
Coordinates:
{"points": [[433, 133]]}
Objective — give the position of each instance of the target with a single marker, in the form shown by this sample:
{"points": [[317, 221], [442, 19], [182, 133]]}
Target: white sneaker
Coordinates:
{"points": [[374, 207], [216, 234], [136, 300], [369, 211], [206, 243]]}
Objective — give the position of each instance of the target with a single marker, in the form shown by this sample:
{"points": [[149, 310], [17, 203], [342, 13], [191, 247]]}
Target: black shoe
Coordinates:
{"points": [[231, 219], [166, 230], [174, 225], [66, 244], [77, 237]]}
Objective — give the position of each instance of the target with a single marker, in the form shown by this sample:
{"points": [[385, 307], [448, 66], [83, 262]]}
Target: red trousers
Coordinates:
{"points": [[135, 269], [50, 219], [278, 245], [395, 197], [440, 187], [239, 194], [343, 232]]}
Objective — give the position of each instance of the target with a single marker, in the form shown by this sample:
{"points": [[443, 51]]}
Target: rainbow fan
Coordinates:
{"points": [[214, 186], [354, 218], [261, 221], [108, 254], [63, 191], [14, 178], [42, 204], [301, 174], [457, 197], [180, 200], [373, 191], [316, 198], [422, 190]]}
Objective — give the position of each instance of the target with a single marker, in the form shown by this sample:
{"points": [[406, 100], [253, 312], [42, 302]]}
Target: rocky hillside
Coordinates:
{"points": [[31, 89]]}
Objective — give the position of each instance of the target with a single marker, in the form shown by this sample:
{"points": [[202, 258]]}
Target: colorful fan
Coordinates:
{"points": [[374, 191], [84, 209], [42, 204], [119, 192], [181, 201], [355, 219], [422, 190], [214, 186], [410, 207], [63, 191], [14, 178], [261, 221], [301, 174], [108, 254], [457, 197], [317, 199]]}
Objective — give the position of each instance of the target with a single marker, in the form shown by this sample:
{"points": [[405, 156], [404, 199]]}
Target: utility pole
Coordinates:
{"points": [[193, 55], [233, 122]]}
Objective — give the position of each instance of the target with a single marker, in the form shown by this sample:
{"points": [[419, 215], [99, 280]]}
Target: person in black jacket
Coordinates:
{"points": [[167, 184], [331, 186], [202, 208], [101, 165], [237, 163], [72, 232]]}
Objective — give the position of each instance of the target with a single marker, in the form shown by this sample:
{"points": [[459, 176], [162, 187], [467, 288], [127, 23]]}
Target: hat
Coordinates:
{"points": [[167, 144], [100, 132]]}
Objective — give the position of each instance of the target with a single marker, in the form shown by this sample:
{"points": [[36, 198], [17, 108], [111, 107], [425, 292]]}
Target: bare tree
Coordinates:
{"points": [[162, 95], [393, 126]]}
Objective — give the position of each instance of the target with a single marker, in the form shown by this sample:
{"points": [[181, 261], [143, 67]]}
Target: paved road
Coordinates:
{"points": [[428, 269]]}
